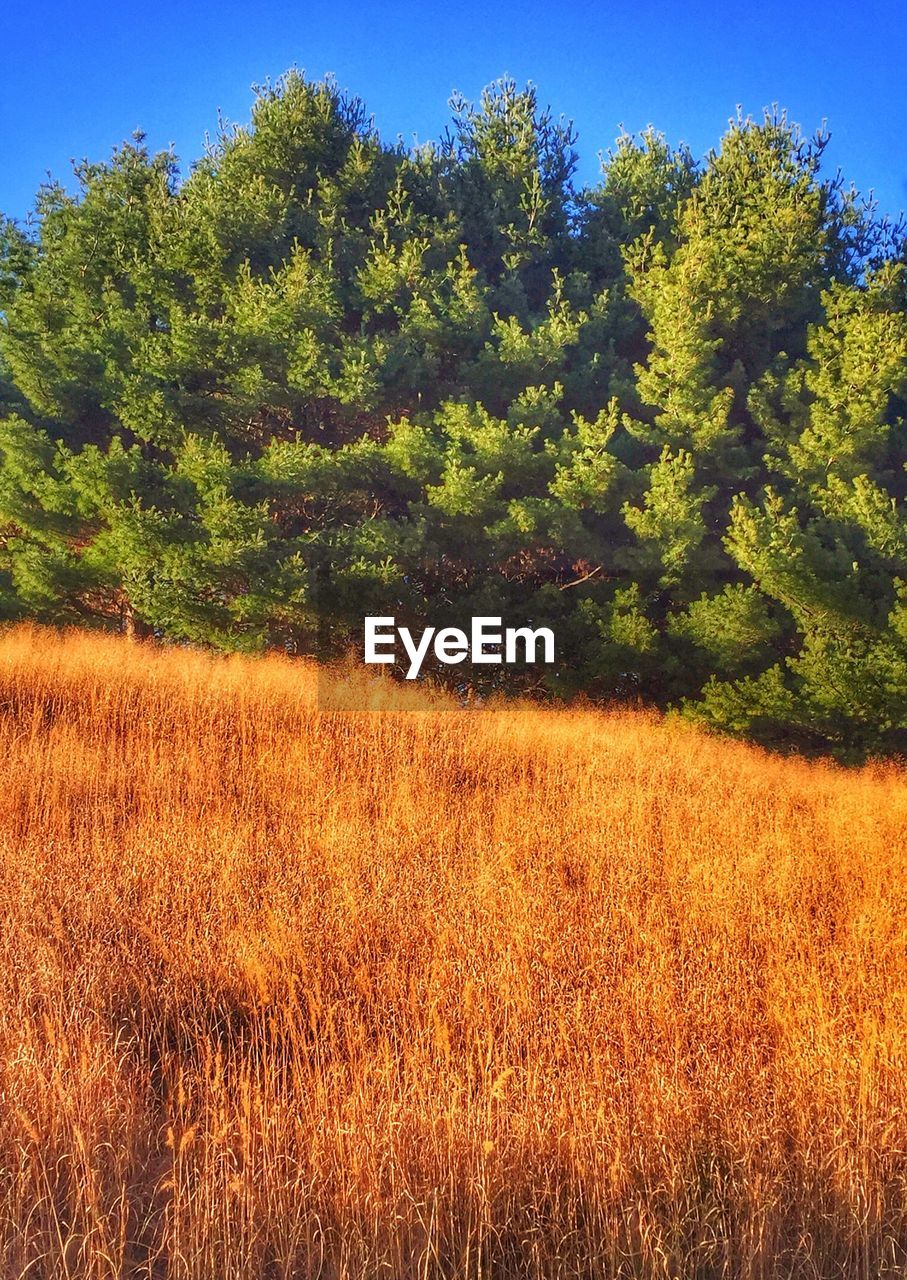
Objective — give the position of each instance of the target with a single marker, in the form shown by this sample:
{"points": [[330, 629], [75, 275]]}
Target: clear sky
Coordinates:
{"points": [[78, 76]]}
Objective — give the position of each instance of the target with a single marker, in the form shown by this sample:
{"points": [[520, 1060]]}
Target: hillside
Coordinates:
{"points": [[294, 992]]}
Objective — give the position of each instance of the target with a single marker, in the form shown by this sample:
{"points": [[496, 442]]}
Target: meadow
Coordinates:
{"points": [[290, 991]]}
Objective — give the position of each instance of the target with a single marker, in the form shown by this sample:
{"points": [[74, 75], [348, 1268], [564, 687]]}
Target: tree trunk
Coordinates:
{"points": [[132, 627]]}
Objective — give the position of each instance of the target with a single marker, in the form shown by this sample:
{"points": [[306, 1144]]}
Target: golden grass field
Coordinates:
{"points": [[289, 992]]}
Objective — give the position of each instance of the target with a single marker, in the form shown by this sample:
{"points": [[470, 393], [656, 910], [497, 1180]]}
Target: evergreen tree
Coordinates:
{"points": [[321, 377]]}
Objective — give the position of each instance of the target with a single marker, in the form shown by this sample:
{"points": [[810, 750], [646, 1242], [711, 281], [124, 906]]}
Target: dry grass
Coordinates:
{"points": [[289, 992]]}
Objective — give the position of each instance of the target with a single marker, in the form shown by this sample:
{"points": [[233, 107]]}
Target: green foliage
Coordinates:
{"points": [[322, 376], [670, 525], [732, 631]]}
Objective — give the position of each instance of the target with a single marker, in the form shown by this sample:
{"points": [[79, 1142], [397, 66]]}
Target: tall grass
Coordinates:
{"points": [[490, 993]]}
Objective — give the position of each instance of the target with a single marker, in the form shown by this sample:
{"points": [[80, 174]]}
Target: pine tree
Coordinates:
{"points": [[321, 377]]}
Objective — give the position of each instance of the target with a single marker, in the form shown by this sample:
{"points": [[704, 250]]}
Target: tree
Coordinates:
{"points": [[322, 377]]}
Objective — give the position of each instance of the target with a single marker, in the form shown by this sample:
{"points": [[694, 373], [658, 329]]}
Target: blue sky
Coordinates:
{"points": [[76, 78]]}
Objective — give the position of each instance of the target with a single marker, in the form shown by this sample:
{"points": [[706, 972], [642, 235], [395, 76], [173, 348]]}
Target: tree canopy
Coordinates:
{"points": [[320, 376]]}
